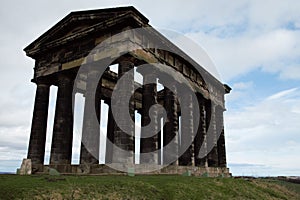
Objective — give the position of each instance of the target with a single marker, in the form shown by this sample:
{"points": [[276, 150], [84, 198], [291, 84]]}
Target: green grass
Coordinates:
{"points": [[143, 187]]}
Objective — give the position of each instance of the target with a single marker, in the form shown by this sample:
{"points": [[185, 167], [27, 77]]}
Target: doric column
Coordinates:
{"points": [[61, 150], [221, 140], [212, 157], [187, 130], [200, 138], [110, 136], [123, 140], [90, 141], [170, 131], [149, 144], [36, 148]]}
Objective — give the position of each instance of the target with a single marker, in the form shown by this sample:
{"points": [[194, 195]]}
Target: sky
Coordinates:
{"points": [[255, 46]]}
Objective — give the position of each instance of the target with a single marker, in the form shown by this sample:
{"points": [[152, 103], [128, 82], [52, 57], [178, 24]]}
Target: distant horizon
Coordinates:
{"points": [[3, 172]]}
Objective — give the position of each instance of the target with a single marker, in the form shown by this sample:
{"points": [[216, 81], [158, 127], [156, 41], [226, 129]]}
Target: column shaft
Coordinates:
{"points": [[125, 141], [221, 140], [110, 136], [36, 148], [212, 137], [90, 141], [61, 150], [149, 144], [170, 131], [200, 139], [187, 130]]}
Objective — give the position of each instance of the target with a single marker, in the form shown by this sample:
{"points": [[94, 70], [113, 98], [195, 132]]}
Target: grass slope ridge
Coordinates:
{"points": [[143, 187]]}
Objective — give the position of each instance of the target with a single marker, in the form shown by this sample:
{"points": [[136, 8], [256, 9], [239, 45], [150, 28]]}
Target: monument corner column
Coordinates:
{"points": [[36, 148]]}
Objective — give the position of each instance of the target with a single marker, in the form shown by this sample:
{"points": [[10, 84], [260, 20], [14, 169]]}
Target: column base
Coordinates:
{"points": [[102, 169]]}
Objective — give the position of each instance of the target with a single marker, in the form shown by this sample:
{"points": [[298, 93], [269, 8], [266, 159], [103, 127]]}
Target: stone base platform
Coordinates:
{"points": [[103, 169]]}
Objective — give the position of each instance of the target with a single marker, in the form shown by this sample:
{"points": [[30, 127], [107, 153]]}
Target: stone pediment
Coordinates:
{"points": [[79, 21]]}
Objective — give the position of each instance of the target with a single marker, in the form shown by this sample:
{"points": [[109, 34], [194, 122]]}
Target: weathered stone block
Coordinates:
{"points": [[186, 70], [25, 167]]}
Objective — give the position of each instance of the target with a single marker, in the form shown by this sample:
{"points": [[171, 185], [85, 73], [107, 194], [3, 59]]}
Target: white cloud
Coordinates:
{"points": [[270, 14], [242, 85], [240, 95], [275, 52], [266, 132], [13, 147], [251, 37], [291, 72], [282, 94]]}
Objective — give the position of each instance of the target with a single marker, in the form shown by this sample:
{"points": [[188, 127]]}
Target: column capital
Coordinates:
{"points": [[42, 82], [147, 70], [64, 79], [126, 60], [169, 80]]}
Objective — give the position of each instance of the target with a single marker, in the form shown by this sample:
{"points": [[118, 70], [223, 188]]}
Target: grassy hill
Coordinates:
{"points": [[143, 187]]}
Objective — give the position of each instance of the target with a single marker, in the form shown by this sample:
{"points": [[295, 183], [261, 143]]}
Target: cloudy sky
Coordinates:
{"points": [[255, 46]]}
